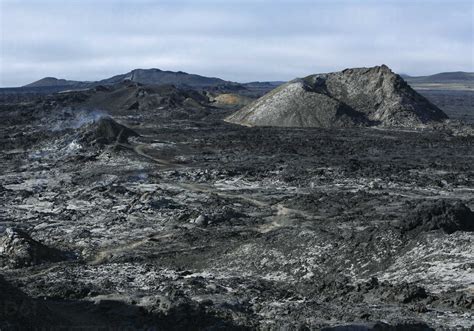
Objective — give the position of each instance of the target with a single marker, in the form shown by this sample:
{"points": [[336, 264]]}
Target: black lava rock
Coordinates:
{"points": [[440, 215], [18, 249]]}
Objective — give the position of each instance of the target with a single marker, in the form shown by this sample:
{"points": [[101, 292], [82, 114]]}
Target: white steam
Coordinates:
{"points": [[74, 119]]}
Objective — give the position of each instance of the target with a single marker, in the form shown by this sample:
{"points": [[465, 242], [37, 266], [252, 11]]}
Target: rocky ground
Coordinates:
{"points": [[194, 223]]}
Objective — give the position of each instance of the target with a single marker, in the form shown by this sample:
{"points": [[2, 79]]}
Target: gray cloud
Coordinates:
{"points": [[237, 40]]}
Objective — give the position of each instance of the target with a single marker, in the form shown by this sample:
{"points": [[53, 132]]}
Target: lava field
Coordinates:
{"points": [[175, 219]]}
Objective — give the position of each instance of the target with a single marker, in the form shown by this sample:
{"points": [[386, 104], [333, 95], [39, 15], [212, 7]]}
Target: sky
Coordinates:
{"points": [[246, 40]]}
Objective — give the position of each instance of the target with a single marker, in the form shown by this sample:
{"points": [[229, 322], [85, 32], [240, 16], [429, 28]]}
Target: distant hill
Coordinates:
{"points": [[53, 82], [257, 89], [352, 97], [443, 77], [445, 81]]}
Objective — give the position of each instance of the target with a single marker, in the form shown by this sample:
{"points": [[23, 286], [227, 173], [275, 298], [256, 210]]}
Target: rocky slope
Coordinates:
{"points": [[144, 98], [352, 97]]}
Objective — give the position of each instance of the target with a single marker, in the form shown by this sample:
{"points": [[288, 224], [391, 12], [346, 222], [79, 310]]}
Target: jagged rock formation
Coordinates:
{"points": [[352, 97], [106, 131], [18, 249]]}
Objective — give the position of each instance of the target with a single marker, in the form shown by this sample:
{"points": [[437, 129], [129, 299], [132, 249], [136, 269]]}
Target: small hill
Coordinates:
{"points": [[55, 82], [445, 81], [443, 77], [352, 97]]}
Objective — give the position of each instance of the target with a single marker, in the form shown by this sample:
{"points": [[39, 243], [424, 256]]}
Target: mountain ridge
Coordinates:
{"points": [[151, 76]]}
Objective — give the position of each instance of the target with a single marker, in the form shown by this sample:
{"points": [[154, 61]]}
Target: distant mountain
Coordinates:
{"points": [[141, 76], [52, 82]]}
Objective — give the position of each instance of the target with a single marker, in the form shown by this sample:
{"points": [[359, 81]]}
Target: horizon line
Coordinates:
{"points": [[232, 81]]}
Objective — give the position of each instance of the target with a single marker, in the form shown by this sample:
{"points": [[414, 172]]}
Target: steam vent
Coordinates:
{"points": [[352, 97]]}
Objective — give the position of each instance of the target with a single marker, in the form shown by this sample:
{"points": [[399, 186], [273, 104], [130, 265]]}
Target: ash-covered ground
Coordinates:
{"points": [[178, 220]]}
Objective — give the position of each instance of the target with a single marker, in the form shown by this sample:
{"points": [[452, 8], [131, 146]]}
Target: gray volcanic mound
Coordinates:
{"points": [[352, 97]]}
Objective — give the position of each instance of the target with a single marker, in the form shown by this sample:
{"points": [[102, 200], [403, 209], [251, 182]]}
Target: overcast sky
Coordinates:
{"points": [[244, 40]]}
